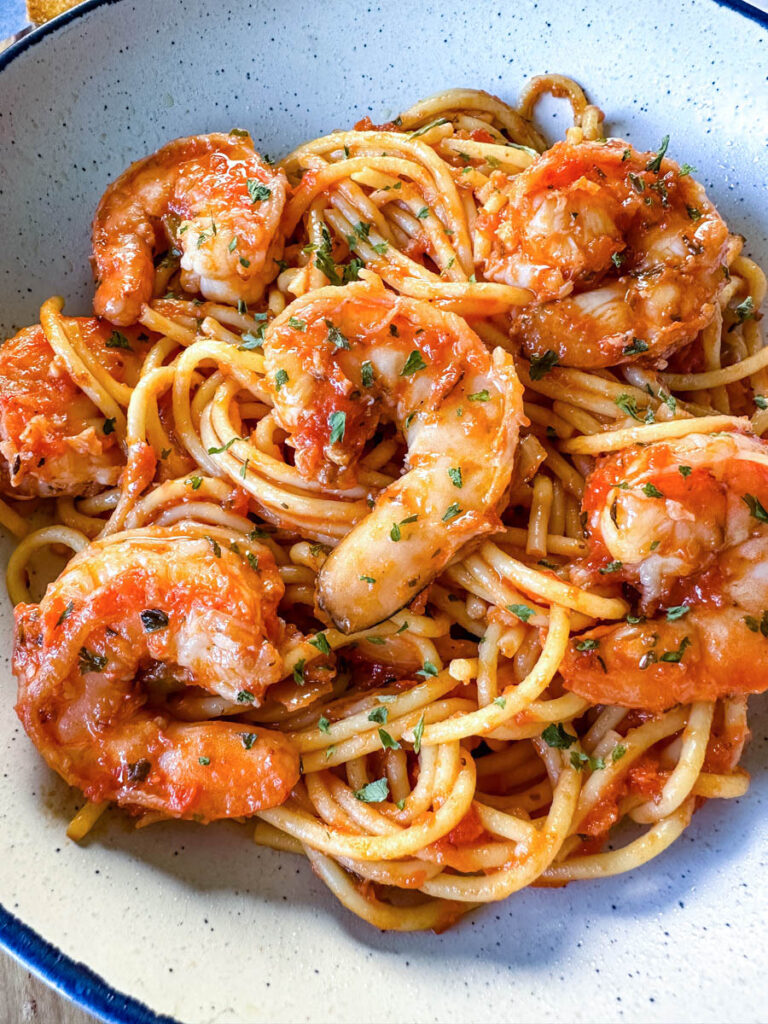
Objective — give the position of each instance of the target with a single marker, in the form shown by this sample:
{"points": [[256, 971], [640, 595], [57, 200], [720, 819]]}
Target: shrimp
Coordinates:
{"points": [[339, 362], [623, 251], [53, 439], [133, 617], [213, 200], [684, 522]]}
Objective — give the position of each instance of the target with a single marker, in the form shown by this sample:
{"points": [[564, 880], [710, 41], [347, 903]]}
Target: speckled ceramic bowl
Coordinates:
{"points": [[197, 923]]}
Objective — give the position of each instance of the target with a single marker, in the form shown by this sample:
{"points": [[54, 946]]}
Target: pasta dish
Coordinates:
{"points": [[409, 498]]}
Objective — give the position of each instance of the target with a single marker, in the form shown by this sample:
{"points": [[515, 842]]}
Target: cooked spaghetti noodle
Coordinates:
{"points": [[441, 756]]}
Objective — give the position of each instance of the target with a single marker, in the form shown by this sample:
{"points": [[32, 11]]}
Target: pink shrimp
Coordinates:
{"points": [[213, 200], [685, 522], [622, 250], [53, 439], [131, 618], [342, 360]]}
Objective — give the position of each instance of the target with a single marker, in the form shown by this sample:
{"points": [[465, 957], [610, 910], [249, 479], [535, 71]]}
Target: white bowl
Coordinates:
{"points": [[197, 922]]}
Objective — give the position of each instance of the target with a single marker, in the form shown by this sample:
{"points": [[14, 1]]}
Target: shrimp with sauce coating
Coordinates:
{"points": [[53, 439], [339, 362], [213, 200], [131, 618], [684, 521], [622, 250]]}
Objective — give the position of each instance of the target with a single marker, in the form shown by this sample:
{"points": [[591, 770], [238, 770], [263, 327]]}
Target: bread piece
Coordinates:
{"points": [[40, 11]]}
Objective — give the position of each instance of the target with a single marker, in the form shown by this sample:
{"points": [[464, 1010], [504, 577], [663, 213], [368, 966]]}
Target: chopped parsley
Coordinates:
{"points": [[153, 620], [395, 533], [618, 752], [418, 732], [686, 169], [428, 127], [756, 508], [387, 741], [638, 345], [479, 396], [337, 421], [298, 671], [581, 760], [250, 340], [522, 611], [500, 702], [248, 739], [66, 613], [367, 579], [541, 365], [324, 260], [423, 213], [677, 612], [614, 566], [378, 715], [587, 645], [651, 491], [693, 213], [676, 656], [455, 474], [351, 271], [655, 164], [374, 792], [194, 482], [118, 340], [320, 641], [109, 426], [452, 511], [556, 736], [281, 378], [204, 761], [214, 546], [637, 183], [628, 404], [323, 724], [224, 447], [89, 661], [744, 311], [296, 324], [685, 470], [413, 364], [335, 336], [428, 670], [367, 373], [256, 190]]}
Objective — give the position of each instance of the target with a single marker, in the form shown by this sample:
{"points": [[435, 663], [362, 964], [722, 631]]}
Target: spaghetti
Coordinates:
{"points": [[443, 762]]}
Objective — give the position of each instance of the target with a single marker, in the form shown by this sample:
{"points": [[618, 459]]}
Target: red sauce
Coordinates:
{"points": [[456, 848], [645, 778]]}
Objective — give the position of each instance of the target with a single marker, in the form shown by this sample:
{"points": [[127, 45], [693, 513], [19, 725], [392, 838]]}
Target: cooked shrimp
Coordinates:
{"points": [[622, 250], [131, 618], [339, 362], [685, 522], [53, 439], [213, 200]]}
